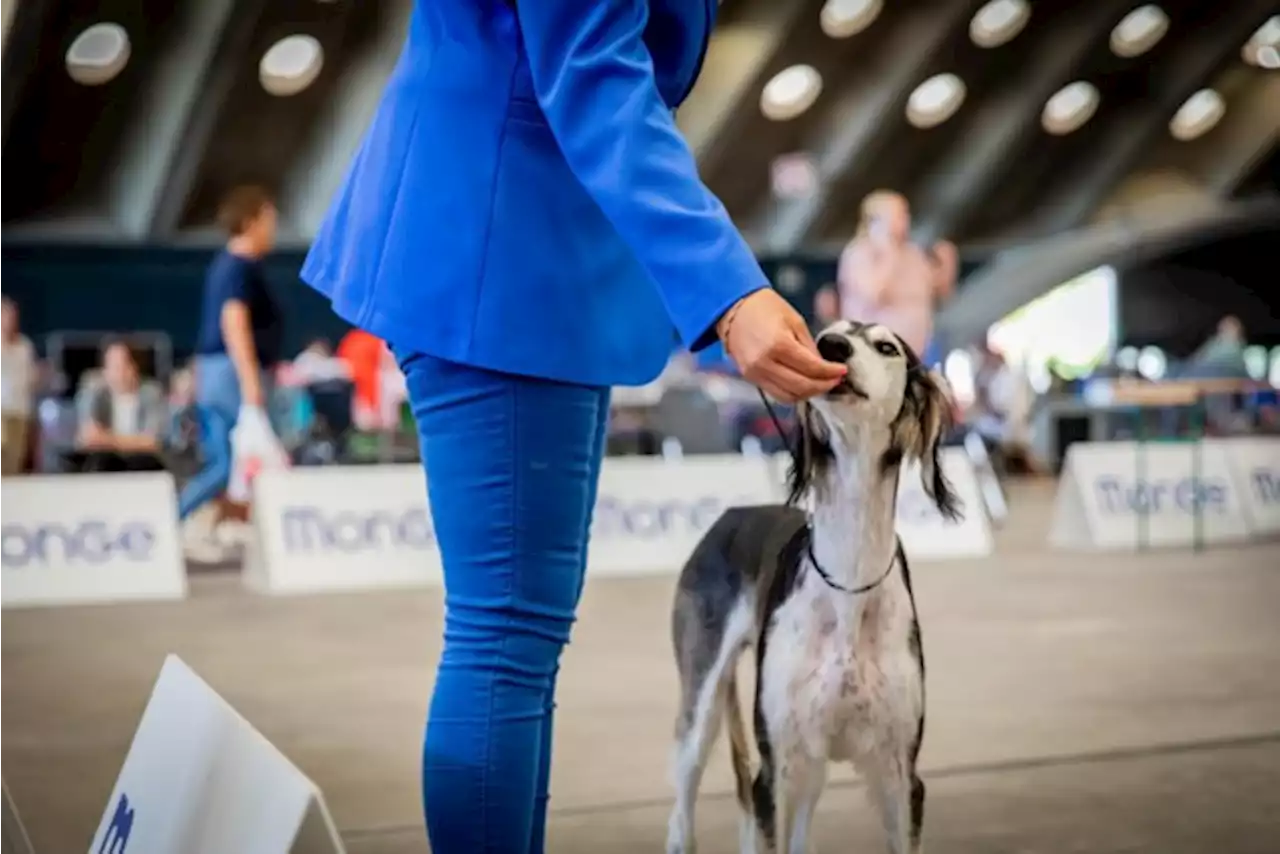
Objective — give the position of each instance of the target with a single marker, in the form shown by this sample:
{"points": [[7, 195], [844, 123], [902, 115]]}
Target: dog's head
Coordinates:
{"points": [[889, 390]]}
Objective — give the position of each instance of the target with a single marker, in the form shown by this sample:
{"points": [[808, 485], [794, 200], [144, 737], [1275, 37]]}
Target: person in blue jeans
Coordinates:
{"points": [[238, 338], [525, 225]]}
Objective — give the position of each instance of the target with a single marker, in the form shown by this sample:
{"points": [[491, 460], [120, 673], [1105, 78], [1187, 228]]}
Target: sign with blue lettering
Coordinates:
{"points": [[116, 838], [90, 538], [1128, 496]]}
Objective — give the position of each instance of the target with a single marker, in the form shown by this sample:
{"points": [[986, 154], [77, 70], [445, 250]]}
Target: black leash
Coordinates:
{"points": [[813, 559]]}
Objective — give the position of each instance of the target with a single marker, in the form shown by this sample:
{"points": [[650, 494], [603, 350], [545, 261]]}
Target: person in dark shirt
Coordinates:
{"points": [[238, 338]]}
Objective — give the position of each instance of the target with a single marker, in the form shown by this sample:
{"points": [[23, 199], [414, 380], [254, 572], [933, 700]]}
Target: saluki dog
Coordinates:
{"points": [[824, 598]]}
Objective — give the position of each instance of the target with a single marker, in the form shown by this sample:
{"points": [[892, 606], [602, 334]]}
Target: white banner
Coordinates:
{"points": [[925, 534], [368, 526], [1126, 496], [71, 539], [199, 779], [342, 528], [1255, 465], [651, 513]]}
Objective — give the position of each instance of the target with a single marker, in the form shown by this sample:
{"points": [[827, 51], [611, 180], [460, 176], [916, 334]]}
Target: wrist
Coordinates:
{"points": [[725, 323]]}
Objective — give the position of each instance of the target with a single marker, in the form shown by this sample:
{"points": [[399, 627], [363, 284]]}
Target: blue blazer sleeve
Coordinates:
{"points": [[594, 81]]}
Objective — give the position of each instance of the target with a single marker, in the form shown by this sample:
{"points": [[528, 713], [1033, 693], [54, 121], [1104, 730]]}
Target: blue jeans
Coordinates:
{"points": [[217, 407], [513, 464]]}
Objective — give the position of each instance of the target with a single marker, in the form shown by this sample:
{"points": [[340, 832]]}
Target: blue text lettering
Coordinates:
{"points": [[1184, 495], [89, 542]]}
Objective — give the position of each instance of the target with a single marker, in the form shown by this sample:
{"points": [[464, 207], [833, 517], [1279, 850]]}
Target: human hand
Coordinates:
{"points": [[771, 345]]}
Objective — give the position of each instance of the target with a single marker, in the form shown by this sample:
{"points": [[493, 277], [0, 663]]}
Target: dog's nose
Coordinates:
{"points": [[835, 348]]}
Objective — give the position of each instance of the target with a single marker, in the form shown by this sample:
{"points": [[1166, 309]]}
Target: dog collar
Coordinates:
{"points": [[837, 586]]}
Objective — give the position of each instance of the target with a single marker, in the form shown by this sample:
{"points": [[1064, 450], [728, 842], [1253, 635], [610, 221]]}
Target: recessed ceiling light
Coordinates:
{"points": [[843, 18], [790, 92], [1263, 47], [1070, 107], [98, 54], [1198, 115], [935, 100], [1139, 31], [291, 65], [998, 22]]}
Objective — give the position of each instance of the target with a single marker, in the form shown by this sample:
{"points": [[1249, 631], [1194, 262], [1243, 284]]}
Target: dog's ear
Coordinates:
{"points": [[812, 453], [926, 420]]}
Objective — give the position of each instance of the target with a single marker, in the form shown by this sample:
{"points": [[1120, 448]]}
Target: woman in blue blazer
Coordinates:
{"points": [[525, 225]]}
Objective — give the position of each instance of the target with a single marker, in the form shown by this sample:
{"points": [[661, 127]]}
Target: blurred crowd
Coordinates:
{"points": [[346, 404]]}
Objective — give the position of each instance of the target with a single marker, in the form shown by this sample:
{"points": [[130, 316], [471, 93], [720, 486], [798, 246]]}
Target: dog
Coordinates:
{"points": [[825, 600]]}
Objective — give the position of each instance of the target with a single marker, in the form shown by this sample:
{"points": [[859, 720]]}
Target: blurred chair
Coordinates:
{"points": [[690, 416]]}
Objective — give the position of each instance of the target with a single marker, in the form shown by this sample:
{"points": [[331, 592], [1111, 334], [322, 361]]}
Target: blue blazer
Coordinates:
{"points": [[523, 201]]}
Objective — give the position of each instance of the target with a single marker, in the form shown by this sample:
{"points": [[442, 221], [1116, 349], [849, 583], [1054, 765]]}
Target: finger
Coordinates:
{"points": [[796, 356], [794, 384]]}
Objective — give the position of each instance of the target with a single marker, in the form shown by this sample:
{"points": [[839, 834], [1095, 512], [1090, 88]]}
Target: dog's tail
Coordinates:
{"points": [[738, 741]]}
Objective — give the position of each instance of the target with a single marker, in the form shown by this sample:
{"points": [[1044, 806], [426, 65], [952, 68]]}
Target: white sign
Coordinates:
{"points": [[650, 514], [14, 835], [1255, 465], [369, 526], [199, 779], [925, 534], [342, 528], [1126, 495], [70, 539]]}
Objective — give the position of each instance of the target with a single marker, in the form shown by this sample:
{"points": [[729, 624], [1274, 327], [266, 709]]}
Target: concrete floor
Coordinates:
{"points": [[1076, 704]]}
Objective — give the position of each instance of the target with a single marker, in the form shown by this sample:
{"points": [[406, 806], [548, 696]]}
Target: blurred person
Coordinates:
{"points": [[122, 418], [1222, 355], [548, 259], [18, 366], [365, 356], [237, 343], [885, 278], [317, 363], [826, 307]]}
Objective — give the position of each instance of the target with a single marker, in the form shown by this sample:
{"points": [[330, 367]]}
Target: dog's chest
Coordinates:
{"points": [[839, 681]]}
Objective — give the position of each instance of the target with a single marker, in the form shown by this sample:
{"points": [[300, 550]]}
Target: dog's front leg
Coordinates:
{"points": [[798, 783]]}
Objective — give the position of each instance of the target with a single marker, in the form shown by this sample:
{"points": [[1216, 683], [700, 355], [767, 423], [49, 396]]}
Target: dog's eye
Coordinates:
{"points": [[884, 348]]}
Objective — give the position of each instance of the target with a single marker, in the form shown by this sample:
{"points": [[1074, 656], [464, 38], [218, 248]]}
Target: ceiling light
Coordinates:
{"points": [[998, 22], [935, 100], [843, 18], [1070, 107], [1197, 115], [291, 65], [1139, 31], [791, 91], [1263, 47], [98, 54]]}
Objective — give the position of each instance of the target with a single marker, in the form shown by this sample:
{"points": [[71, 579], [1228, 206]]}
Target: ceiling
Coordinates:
{"points": [[131, 131]]}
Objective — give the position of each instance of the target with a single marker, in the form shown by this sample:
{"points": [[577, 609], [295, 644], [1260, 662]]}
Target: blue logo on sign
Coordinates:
{"points": [[116, 839], [91, 542], [1185, 495], [310, 529], [1266, 485], [650, 519]]}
